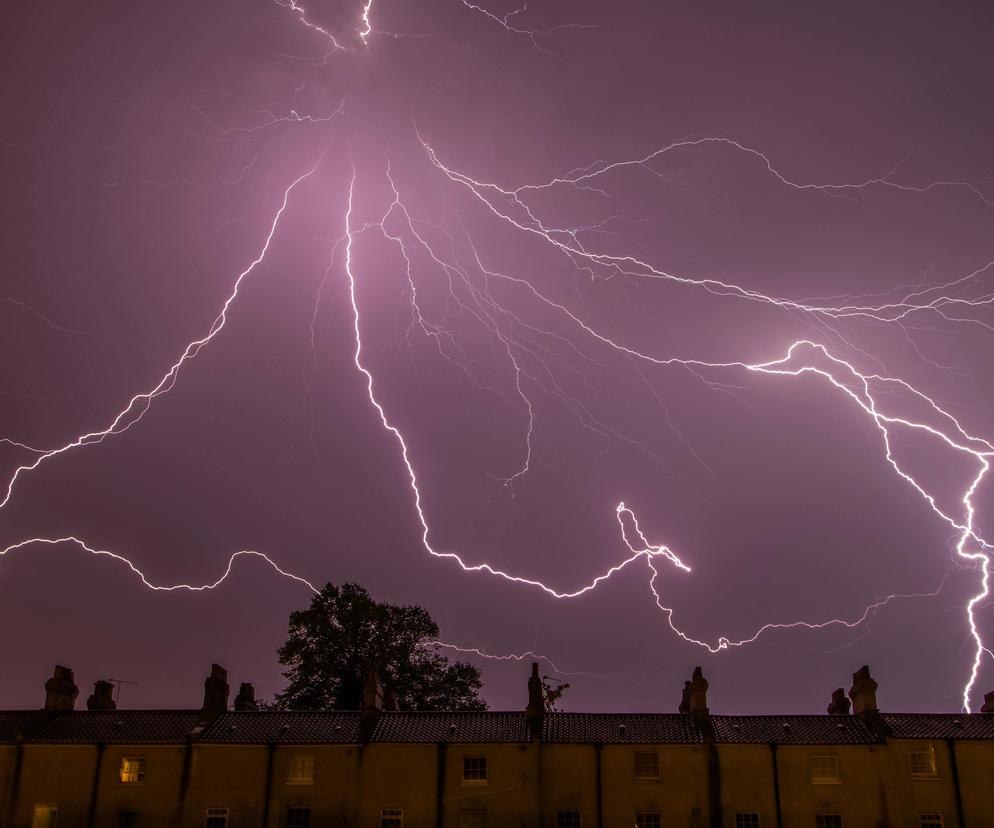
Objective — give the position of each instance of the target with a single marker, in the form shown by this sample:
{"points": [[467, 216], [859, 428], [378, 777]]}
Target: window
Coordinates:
{"points": [[217, 818], [474, 770], [568, 819], [648, 819], [828, 821], [298, 818], [473, 818], [45, 816], [132, 770], [825, 770], [300, 770], [932, 819], [646, 765], [923, 762], [746, 819], [127, 819], [391, 818]]}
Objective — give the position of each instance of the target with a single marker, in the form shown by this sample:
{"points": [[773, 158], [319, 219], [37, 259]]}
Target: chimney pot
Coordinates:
{"points": [[988, 706], [245, 700], [839, 705], [535, 712], [215, 694], [863, 692], [102, 698], [61, 690]]}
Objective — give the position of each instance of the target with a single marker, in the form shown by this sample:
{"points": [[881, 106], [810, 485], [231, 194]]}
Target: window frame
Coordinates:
{"points": [[644, 777], [52, 815], [640, 819], [561, 823], [483, 767], [299, 809], [307, 763], [140, 770], [931, 762], [392, 814], [126, 812], [931, 819], [480, 812], [833, 815], [748, 819], [829, 758], [215, 812]]}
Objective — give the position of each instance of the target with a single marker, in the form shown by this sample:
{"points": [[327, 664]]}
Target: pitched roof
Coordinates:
{"points": [[14, 723], [120, 726], [620, 728], [940, 725], [287, 727], [463, 727], [793, 730]]}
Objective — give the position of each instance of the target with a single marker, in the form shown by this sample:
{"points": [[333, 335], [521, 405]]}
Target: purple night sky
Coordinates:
{"points": [[824, 173]]}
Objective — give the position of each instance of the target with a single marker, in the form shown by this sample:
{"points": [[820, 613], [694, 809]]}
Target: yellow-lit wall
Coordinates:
{"points": [[58, 774], [976, 776]]}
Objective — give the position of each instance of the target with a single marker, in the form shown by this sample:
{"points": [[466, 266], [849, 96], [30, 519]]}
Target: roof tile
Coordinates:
{"points": [[620, 728]]}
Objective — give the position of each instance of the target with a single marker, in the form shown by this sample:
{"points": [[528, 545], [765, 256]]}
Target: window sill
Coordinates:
{"points": [[474, 783]]}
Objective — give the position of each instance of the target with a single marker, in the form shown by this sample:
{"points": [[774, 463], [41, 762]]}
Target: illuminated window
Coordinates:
{"points": [[828, 821], [473, 818], [391, 818], [923, 762], [746, 819], [825, 770], [298, 818], [568, 819], [45, 816], [648, 819], [217, 818], [932, 819], [474, 769], [301, 770], [127, 819], [132, 770], [646, 765]]}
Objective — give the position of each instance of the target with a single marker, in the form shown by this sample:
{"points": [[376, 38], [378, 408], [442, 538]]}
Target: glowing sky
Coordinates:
{"points": [[418, 294]]}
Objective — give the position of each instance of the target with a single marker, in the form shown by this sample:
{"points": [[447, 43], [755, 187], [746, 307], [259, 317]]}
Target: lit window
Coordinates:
{"points": [[474, 769], [217, 818], [648, 819], [646, 765], [298, 818], [568, 819], [391, 818], [746, 819], [825, 770], [45, 816], [923, 762], [932, 819], [127, 819], [132, 770], [828, 821], [300, 770], [473, 818]]}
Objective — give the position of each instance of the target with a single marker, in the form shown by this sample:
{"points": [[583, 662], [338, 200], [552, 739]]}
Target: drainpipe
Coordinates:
{"points": [[599, 749], [270, 756], [440, 786], [776, 783], [92, 816], [951, 743], [15, 780]]}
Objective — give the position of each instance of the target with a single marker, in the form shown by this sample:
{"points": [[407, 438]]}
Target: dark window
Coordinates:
{"points": [[932, 819], [646, 764], [828, 821], [127, 819], [473, 818], [648, 819], [746, 819], [391, 818], [217, 818], [568, 819], [474, 768], [298, 818]]}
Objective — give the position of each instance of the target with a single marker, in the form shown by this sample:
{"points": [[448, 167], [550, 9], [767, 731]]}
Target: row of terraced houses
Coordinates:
{"points": [[215, 767]]}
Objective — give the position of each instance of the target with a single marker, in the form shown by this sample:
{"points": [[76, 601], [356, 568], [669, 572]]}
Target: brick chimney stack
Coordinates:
{"points": [[102, 698], [245, 700], [988, 706], [535, 712], [215, 693], [839, 705], [863, 692], [61, 690], [697, 694]]}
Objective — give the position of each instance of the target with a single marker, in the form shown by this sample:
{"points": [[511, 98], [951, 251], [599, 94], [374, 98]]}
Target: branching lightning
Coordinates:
{"points": [[468, 278]]}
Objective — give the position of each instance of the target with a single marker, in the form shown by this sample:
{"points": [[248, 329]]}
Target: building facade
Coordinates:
{"points": [[218, 768]]}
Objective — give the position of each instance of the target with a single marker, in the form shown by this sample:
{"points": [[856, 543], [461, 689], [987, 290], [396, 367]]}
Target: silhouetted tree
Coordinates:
{"points": [[552, 692], [344, 632]]}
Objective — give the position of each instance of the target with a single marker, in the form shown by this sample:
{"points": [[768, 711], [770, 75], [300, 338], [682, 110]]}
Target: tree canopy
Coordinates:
{"points": [[333, 644]]}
